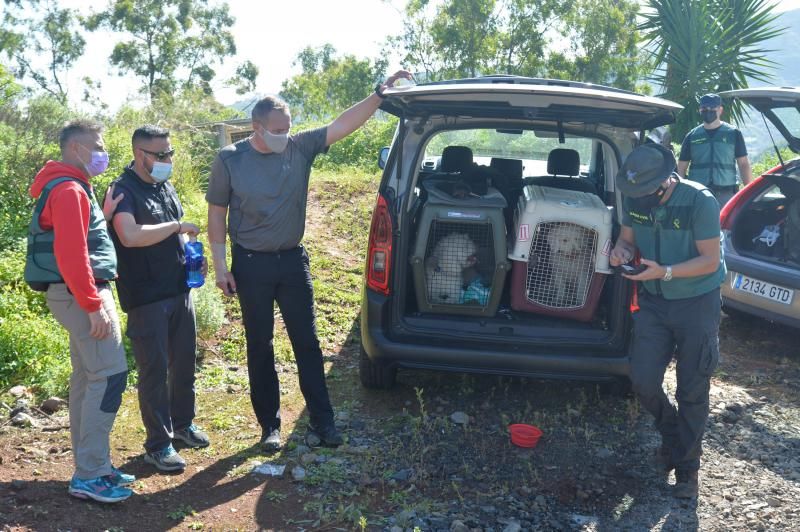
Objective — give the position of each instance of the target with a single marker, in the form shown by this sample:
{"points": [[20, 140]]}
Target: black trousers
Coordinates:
{"points": [[687, 329], [283, 277], [164, 339]]}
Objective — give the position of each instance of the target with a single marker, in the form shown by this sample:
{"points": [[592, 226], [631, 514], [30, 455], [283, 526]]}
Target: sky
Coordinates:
{"points": [[270, 33]]}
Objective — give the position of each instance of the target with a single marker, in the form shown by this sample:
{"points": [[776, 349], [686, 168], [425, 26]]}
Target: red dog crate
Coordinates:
{"points": [[560, 253], [526, 298]]}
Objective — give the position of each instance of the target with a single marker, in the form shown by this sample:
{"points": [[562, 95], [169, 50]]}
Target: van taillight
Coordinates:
{"points": [[379, 253]]}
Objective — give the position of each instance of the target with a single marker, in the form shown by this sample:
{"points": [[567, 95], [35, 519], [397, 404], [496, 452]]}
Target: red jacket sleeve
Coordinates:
{"points": [[69, 209]]}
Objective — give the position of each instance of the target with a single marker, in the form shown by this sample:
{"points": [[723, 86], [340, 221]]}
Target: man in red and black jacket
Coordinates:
{"points": [[71, 256]]}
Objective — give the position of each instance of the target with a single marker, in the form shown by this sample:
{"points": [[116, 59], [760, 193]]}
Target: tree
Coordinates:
{"points": [[708, 46], [245, 78], [42, 43], [604, 44], [584, 40], [329, 84], [172, 44], [457, 38], [523, 28], [470, 29], [9, 89]]}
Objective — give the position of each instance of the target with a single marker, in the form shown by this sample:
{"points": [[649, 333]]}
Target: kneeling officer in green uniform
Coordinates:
{"points": [[674, 225]]}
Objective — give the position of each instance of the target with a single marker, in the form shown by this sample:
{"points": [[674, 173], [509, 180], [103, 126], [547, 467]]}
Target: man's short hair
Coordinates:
{"points": [[75, 128], [149, 132], [266, 105]]}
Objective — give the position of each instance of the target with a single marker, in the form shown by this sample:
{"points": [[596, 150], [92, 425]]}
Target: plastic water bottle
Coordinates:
{"points": [[194, 263]]}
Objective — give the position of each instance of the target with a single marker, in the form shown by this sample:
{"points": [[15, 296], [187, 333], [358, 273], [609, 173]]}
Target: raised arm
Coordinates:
{"points": [[355, 116]]}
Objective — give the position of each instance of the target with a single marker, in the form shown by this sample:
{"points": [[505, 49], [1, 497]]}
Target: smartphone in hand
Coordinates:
{"points": [[631, 269]]}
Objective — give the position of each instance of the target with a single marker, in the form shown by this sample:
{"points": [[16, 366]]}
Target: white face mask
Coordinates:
{"points": [[161, 171], [275, 142]]}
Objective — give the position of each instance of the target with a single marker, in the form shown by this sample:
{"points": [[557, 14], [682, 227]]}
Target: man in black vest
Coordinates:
{"points": [[147, 234]]}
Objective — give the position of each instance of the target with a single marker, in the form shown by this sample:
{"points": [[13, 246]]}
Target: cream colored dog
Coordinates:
{"points": [[444, 268], [570, 258]]}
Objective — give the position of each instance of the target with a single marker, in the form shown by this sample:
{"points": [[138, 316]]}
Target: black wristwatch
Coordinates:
{"points": [[378, 91]]}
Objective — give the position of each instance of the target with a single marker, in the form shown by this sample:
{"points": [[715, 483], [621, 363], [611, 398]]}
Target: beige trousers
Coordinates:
{"points": [[99, 374]]}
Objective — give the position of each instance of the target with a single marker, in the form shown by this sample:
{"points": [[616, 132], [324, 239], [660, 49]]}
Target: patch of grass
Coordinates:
{"points": [[274, 496], [326, 473], [180, 513], [624, 506], [216, 376]]}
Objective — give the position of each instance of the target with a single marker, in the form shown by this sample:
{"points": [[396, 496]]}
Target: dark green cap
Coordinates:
{"points": [[644, 170]]}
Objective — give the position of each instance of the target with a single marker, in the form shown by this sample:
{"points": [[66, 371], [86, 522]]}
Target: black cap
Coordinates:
{"points": [[644, 170], [710, 100]]}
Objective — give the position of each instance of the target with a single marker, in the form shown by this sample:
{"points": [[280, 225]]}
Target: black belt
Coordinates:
{"points": [[727, 188], [277, 253]]}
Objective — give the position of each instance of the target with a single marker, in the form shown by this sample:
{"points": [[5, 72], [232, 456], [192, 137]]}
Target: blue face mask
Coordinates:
{"points": [[161, 171]]}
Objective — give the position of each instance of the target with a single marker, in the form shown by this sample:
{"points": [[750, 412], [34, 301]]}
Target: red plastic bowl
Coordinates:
{"points": [[524, 435]]}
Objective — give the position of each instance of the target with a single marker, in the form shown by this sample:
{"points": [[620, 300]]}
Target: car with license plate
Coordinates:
{"points": [[493, 222], [761, 223]]}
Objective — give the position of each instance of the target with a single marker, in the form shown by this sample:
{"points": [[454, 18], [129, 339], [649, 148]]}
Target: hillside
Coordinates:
{"points": [[786, 55]]}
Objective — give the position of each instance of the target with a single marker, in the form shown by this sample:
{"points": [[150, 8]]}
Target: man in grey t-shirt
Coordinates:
{"points": [[259, 187]]}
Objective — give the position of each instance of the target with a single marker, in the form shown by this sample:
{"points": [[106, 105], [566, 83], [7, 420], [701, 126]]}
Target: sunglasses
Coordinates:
{"points": [[160, 155]]}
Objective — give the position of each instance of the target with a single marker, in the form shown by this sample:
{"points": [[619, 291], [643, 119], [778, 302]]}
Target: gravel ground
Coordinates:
{"points": [[434, 454]]}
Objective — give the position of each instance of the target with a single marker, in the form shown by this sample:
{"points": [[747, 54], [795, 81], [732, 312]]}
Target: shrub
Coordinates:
{"points": [[34, 349], [360, 149], [209, 309], [27, 140], [769, 159]]}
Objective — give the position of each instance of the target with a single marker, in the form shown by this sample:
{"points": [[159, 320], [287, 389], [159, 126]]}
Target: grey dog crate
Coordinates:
{"points": [[459, 257]]}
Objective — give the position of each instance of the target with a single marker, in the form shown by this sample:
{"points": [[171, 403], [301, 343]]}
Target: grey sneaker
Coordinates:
{"points": [[167, 459], [271, 440], [192, 436]]}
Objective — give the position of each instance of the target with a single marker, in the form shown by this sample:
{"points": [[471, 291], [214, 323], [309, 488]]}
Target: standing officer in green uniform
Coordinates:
{"points": [[712, 147], [674, 225]]}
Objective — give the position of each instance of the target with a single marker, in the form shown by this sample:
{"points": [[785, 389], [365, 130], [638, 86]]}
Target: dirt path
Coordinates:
{"points": [[408, 464]]}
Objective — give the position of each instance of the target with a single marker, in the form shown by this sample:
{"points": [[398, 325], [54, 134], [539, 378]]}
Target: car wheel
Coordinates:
{"points": [[375, 374]]}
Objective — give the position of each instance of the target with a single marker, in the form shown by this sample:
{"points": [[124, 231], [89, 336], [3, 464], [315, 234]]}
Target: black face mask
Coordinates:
{"points": [[708, 115], [646, 203]]}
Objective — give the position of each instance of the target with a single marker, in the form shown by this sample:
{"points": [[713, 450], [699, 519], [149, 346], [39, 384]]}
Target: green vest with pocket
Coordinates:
{"points": [[41, 268], [668, 233], [713, 156]]}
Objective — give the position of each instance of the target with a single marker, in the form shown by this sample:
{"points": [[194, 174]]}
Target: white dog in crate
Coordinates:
{"points": [[570, 263], [444, 268]]}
